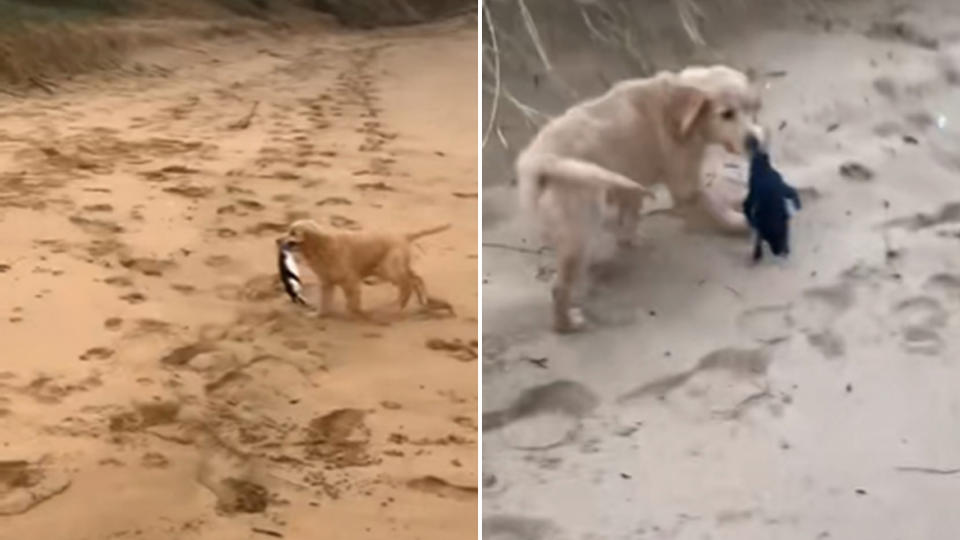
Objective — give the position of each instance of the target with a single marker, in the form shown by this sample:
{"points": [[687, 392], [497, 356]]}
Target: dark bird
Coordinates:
{"points": [[289, 275], [766, 204]]}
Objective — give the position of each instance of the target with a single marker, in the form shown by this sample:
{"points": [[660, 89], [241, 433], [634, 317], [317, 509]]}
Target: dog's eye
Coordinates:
{"points": [[728, 114]]}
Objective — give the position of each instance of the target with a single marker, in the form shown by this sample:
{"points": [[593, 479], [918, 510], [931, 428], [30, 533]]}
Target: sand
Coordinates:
{"points": [[812, 398], [155, 382]]}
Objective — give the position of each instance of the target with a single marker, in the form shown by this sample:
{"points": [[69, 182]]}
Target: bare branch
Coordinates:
{"points": [[534, 35], [496, 74]]}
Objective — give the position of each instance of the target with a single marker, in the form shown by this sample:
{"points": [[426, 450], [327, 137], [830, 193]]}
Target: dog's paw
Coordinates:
{"points": [[574, 321], [577, 317]]}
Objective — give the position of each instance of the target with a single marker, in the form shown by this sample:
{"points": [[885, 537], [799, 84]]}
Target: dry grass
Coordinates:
{"points": [[34, 51], [59, 37], [16, 12], [375, 13], [41, 40], [30, 11]]}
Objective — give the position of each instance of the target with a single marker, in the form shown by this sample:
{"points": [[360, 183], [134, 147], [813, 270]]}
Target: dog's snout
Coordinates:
{"points": [[752, 142], [755, 139]]}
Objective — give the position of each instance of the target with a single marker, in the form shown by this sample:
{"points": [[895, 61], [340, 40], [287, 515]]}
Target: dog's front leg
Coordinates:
{"points": [[351, 291], [327, 291], [628, 203]]}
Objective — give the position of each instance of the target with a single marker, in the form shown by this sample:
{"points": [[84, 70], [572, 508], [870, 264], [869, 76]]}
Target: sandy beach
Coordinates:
{"points": [[812, 398], [155, 382]]}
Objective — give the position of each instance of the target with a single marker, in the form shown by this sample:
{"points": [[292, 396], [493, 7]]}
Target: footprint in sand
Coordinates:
{"points": [[920, 318], [134, 298], [507, 527], [24, 485], [218, 261], [830, 344], [819, 309], [902, 31], [267, 228], [144, 415], [119, 281], [250, 204], [147, 266], [944, 285], [231, 478], [182, 356], [190, 191], [97, 353], [237, 495], [948, 213], [147, 326], [334, 201], [96, 226], [544, 416], [343, 222], [724, 383], [154, 460], [340, 439], [767, 324], [435, 485], [113, 323]]}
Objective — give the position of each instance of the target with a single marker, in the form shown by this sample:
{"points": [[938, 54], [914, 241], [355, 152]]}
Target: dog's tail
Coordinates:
{"points": [[535, 172], [426, 232]]}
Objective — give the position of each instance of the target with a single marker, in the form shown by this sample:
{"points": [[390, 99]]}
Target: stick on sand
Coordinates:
{"points": [[244, 122]]}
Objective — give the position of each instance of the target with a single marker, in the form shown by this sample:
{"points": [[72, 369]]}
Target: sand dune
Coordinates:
{"points": [[814, 398]]}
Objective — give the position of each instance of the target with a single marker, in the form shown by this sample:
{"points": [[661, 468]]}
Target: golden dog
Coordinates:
{"points": [[345, 260], [608, 150]]}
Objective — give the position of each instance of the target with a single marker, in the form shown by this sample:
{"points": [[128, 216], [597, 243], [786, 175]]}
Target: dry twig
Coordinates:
{"points": [[534, 34], [244, 122], [496, 75]]}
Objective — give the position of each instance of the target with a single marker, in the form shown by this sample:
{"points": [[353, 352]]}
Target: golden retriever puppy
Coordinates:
{"points": [[345, 260], [641, 133]]}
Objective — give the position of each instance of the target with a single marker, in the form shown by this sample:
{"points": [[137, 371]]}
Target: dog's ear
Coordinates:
{"points": [[685, 106]]}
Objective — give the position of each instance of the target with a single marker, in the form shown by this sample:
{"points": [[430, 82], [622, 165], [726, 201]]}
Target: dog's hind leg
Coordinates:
{"points": [[419, 288], [569, 273], [405, 289], [411, 284], [352, 292]]}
